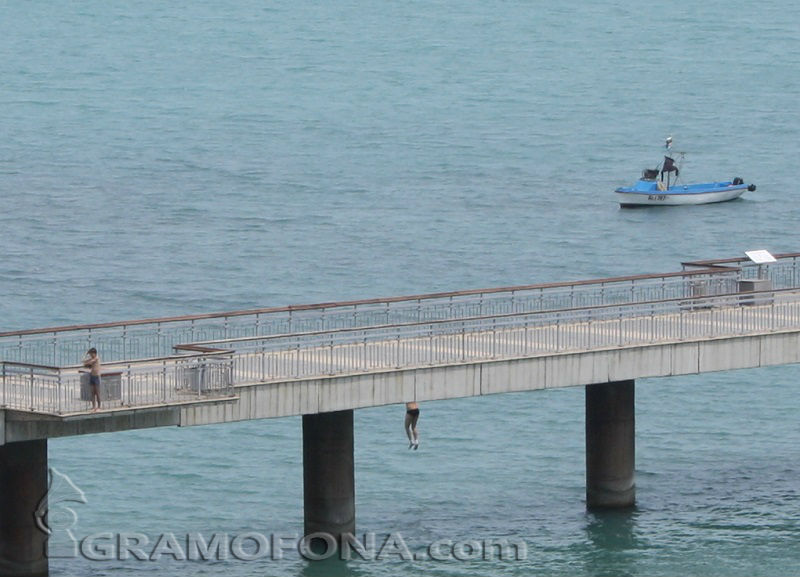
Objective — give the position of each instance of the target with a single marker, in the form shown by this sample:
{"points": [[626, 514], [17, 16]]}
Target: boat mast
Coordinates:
{"points": [[667, 146]]}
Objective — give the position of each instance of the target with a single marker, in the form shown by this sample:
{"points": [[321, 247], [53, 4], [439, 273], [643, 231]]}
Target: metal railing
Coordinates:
{"points": [[438, 343], [217, 352], [155, 338], [63, 390]]}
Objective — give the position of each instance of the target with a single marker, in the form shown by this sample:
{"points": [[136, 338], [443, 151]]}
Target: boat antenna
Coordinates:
{"points": [[682, 157], [668, 143]]}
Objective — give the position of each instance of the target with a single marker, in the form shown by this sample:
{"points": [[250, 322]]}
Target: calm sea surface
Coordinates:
{"points": [[164, 158]]}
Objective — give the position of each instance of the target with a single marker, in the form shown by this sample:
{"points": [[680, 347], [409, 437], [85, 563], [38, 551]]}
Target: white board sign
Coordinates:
{"points": [[760, 256]]}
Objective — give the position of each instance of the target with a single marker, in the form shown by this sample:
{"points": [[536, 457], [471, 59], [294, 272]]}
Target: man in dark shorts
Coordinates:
{"points": [[92, 361], [412, 416]]}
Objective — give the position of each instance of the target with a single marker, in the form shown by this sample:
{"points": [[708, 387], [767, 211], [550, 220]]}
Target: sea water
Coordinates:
{"points": [[185, 157]]}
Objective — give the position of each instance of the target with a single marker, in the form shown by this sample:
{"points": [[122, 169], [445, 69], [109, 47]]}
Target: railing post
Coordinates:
{"points": [[653, 329], [202, 364], [129, 387], [33, 407], [295, 371], [263, 363], [164, 381], [493, 351], [525, 337], [231, 380], [772, 314], [463, 341], [741, 319], [558, 332], [713, 320], [364, 353], [59, 391], [330, 356]]}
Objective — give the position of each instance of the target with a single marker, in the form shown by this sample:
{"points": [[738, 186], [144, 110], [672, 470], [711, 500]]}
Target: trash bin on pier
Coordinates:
{"points": [[760, 286], [205, 377], [699, 289], [194, 378]]}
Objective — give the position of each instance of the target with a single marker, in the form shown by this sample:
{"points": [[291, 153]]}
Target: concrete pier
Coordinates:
{"points": [[323, 361], [23, 485], [610, 445], [329, 474]]}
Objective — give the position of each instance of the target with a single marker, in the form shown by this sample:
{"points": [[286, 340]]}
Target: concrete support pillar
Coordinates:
{"points": [[610, 446], [328, 474], [23, 485]]}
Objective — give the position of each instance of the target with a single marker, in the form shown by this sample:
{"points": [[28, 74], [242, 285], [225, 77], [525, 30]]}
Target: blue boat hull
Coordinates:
{"points": [[654, 193]]}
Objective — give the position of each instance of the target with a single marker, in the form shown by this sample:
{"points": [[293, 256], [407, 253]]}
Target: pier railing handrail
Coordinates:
{"points": [[523, 336], [159, 338], [226, 347], [177, 378], [631, 309], [209, 372], [30, 366], [146, 338], [622, 312], [709, 267]]}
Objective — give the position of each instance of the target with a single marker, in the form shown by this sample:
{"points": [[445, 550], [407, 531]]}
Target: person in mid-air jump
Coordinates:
{"points": [[412, 416]]}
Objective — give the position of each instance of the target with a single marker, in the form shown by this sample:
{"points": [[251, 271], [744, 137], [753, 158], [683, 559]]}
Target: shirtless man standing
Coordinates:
{"points": [[92, 361]]}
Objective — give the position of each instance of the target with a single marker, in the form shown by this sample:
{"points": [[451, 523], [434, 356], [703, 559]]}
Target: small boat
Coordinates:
{"points": [[653, 189]]}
